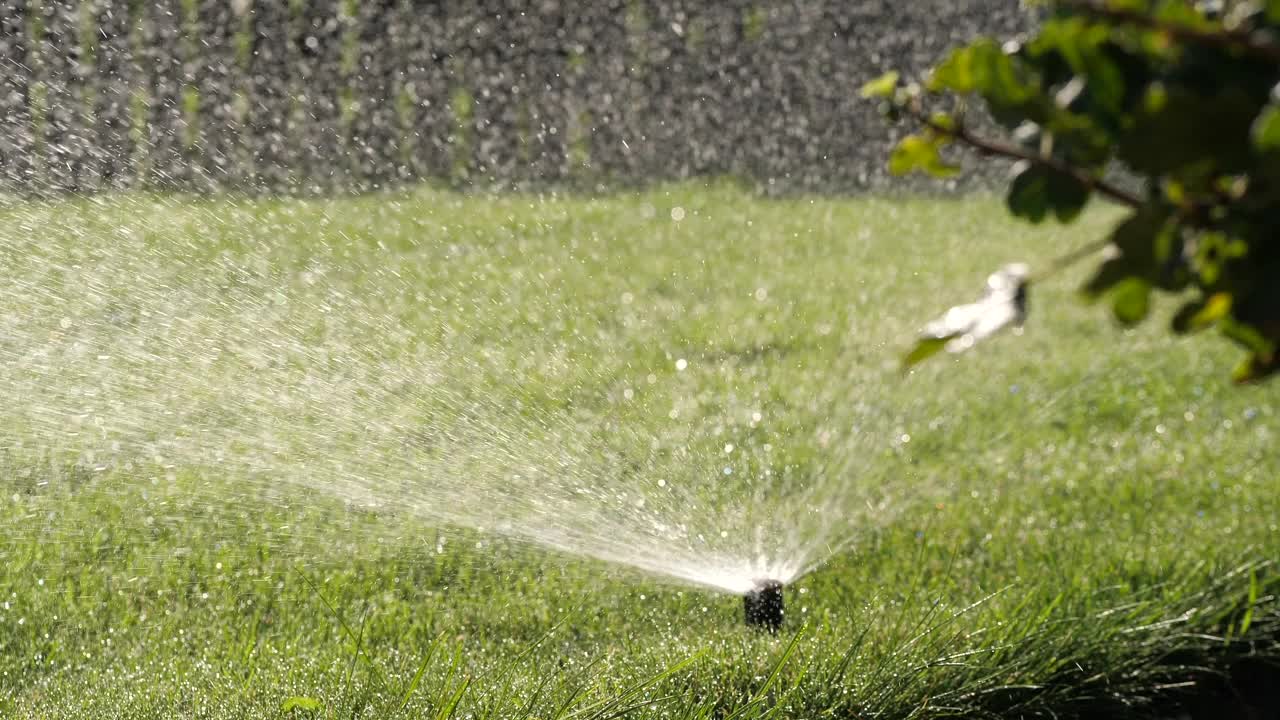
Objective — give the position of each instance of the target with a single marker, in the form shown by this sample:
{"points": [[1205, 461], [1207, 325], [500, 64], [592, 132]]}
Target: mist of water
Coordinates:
{"points": [[160, 340]]}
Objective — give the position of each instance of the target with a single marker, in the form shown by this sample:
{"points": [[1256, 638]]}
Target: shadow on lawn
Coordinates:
{"points": [[1247, 689], [1212, 679]]}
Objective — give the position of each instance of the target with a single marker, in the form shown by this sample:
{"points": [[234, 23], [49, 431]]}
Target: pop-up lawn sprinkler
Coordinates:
{"points": [[762, 605]]}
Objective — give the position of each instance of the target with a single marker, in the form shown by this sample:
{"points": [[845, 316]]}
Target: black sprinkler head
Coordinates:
{"points": [[763, 605]]}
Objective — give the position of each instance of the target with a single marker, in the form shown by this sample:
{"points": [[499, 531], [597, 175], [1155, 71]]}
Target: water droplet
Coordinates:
{"points": [[761, 294], [728, 471], [1160, 429], [627, 298], [906, 438], [628, 393], [662, 483], [677, 213], [681, 364], [728, 448], [64, 323]]}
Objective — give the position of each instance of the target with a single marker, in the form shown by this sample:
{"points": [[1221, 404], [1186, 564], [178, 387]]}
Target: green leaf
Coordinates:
{"points": [[1028, 196], [1266, 130], [1182, 15], [1132, 5], [912, 152], [924, 349], [1247, 620], [1255, 367], [882, 87], [1011, 96], [1038, 190], [920, 152], [942, 169], [1006, 82], [1067, 196], [1145, 245], [1004, 303], [1155, 99], [1200, 314], [1081, 45], [1249, 337], [1166, 134], [1131, 300], [943, 121], [306, 704], [1106, 82], [1262, 360], [1109, 274], [1273, 11], [955, 73], [1214, 253]]}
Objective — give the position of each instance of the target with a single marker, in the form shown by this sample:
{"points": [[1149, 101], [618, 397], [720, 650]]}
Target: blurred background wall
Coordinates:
{"points": [[320, 96]]}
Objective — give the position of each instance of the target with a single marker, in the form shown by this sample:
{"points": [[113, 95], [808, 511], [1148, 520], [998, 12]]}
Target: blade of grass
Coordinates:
{"points": [[451, 707], [377, 673], [757, 698], [605, 708], [422, 669], [351, 667]]}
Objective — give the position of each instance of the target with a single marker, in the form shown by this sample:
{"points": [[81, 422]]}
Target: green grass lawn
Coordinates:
{"points": [[241, 441]]}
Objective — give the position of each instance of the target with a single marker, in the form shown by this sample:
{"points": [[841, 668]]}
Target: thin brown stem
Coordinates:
{"points": [[1067, 259], [991, 147]]}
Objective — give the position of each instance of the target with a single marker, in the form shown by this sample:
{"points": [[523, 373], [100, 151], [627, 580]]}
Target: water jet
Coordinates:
{"points": [[762, 605]]}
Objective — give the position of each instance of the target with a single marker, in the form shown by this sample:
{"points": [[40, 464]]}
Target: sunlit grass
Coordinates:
{"points": [[1076, 517]]}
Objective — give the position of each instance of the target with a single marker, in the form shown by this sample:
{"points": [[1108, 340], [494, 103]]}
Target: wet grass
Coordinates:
{"points": [[1083, 520]]}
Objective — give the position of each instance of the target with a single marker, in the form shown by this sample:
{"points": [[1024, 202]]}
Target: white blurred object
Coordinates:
{"points": [[1005, 302]]}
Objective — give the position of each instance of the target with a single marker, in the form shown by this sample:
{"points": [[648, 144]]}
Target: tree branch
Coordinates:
{"points": [[1069, 258], [990, 147], [1227, 39]]}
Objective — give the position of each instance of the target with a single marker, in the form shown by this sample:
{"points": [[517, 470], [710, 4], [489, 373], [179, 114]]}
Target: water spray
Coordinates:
{"points": [[762, 605]]}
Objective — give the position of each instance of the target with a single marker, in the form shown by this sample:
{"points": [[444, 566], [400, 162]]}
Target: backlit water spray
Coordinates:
{"points": [[236, 345]]}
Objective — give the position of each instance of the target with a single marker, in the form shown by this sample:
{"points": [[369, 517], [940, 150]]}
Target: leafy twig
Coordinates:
{"points": [[1069, 258], [991, 147], [1225, 38]]}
